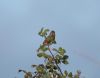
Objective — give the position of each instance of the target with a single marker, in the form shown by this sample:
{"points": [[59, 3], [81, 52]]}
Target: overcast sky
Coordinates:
{"points": [[77, 26]]}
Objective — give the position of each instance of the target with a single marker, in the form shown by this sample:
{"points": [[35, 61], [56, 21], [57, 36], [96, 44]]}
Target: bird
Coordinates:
{"points": [[50, 39]]}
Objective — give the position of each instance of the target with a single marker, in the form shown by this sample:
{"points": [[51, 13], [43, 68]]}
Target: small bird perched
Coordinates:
{"points": [[50, 39]]}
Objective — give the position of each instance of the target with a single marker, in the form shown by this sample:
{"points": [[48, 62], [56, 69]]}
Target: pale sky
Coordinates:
{"points": [[77, 25]]}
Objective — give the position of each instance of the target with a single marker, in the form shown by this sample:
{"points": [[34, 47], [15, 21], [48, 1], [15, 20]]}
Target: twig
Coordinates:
{"points": [[55, 61]]}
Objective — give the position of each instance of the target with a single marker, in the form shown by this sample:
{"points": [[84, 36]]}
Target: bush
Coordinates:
{"points": [[53, 57]]}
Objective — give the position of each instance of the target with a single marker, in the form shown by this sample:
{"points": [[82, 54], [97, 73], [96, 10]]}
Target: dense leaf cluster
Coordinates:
{"points": [[53, 57]]}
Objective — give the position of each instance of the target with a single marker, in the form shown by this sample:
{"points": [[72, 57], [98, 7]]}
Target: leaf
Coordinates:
{"points": [[50, 59], [47, 75], [70, 75], [43, 55], [34, 65], [65, 57], [29, 74], [58, 59], [58, 56], [25, 76], [41, 65], [54, 42], [40, 54], [55, 67], [40, 33], [48, 66], [65, 62], [61, 51], [45, 31], [20, 70], [63, 76], [46, 56], [65, 73], [43, 48], [76, 76], [51, 70], [40, 69]]}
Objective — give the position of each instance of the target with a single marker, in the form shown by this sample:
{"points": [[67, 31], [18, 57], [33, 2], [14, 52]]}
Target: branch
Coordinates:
{"points": [[55, 61]]}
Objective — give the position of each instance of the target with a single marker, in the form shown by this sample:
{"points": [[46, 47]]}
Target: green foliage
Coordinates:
{"points": [[42, 55], [43, 32], [70, 75], [52, 59], [43, 48]]}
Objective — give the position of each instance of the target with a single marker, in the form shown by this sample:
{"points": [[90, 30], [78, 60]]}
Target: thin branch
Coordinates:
{"points": [[55, 61]]}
